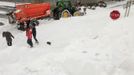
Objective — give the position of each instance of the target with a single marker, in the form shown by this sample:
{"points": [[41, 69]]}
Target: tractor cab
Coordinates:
{"points": [[64, 4]]}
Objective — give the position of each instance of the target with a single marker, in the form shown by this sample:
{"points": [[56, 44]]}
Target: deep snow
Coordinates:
{"points": [[93, 44]]}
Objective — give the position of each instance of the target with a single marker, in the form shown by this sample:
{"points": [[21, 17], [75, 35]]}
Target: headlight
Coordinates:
{"points": [[17, 11]]}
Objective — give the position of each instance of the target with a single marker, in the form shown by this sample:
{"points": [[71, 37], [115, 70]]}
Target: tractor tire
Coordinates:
{"points": [[10, 19], [77, 13], [65, 14], [56, 16]]}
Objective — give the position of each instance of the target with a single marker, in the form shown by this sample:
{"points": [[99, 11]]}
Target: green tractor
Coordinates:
{"points": [[64, 8]]}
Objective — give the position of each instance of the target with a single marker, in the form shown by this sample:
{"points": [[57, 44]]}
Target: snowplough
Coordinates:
{"points": [[24, 12], [27, 11]]}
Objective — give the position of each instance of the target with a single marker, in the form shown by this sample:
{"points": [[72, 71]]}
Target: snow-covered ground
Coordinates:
{"points": [[93, 44]]}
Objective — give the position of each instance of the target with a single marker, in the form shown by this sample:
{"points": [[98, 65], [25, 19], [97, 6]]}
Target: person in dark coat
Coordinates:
{"points": [[33, 25], [34, 34], [8, 37]]}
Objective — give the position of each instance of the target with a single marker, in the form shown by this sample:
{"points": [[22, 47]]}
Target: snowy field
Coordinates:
{"points": [[93, 44]]}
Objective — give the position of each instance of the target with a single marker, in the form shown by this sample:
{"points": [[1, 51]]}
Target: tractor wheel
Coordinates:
{"points": [[11, 20], [77, 13], [65, 14]]}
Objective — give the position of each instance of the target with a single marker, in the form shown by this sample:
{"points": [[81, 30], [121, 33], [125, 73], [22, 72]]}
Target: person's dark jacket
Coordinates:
{"points": [[8, 36], [33, 24]]}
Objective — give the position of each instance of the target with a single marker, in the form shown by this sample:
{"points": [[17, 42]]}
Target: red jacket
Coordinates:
{"points": [[29, 33]]}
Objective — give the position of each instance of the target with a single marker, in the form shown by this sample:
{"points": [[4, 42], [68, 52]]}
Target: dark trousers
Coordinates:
{"points": [[34, 35], [9, 43], [29, 41]]}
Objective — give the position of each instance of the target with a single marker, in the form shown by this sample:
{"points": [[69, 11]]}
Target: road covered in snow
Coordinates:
{"points": [[93, 44]]}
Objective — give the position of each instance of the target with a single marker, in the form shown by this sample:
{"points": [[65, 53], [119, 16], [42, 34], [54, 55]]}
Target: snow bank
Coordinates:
{"points": [[3, 12], [3, 3]]}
